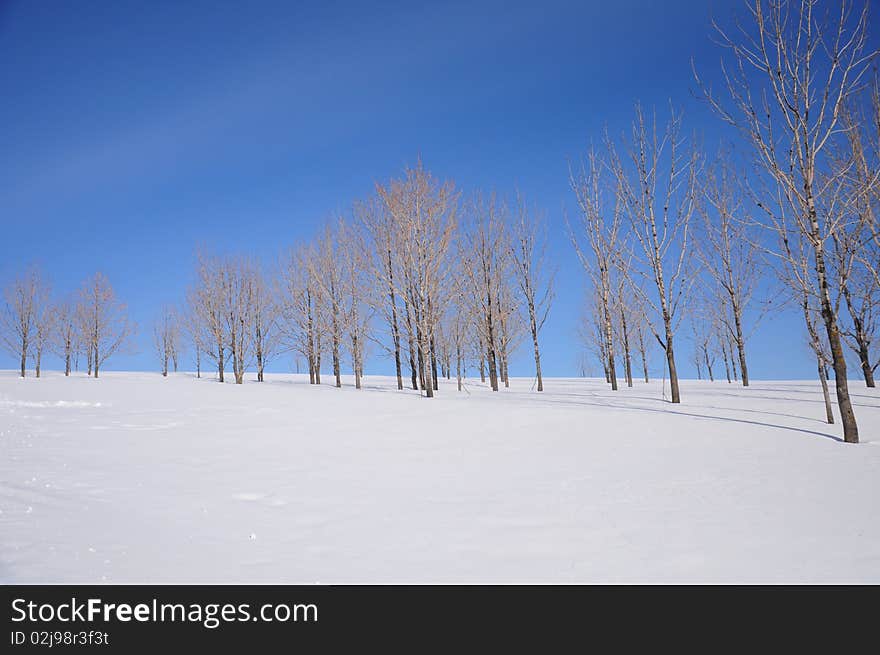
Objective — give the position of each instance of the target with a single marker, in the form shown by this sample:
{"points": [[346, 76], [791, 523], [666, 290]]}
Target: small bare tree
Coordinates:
{"points": [[45, 318], [167, 337], [26, 298], [106, 327], [535, 282], [64, 339]]}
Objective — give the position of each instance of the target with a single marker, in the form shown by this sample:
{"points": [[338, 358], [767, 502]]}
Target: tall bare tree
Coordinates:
{"points": [[327, 272], [483, 253], [382, 233], [535, 282], [600, 222], [425, 211], [656, 187], [728, 252]]}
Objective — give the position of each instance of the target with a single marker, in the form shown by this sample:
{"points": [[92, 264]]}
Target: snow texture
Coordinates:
{"points": [[135, 478]]}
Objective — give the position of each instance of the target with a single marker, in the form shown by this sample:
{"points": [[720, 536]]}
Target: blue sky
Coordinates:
{"points": [[133, 132]]}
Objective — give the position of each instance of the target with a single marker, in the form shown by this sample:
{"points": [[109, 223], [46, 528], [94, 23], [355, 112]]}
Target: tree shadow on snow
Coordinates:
{"points": [[668, 410]]}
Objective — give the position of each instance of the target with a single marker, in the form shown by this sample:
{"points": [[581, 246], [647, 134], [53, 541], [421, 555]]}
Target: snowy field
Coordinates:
{"points": [[132, 478]]}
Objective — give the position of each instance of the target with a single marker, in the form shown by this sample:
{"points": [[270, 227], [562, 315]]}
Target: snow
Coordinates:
{"points": [[135, 478]]}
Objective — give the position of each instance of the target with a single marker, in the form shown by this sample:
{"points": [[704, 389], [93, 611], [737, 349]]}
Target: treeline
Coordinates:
{"points": [[84, 328], [437, 283]]}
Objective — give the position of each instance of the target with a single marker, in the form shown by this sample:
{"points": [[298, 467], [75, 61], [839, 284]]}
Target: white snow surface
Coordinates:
{"points": [[136, 478]]}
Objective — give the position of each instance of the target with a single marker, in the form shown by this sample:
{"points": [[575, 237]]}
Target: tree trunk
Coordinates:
{"points": [[823, 375], [740, 344], [643, 354], [726, 362], [867, 370], [537, 352], [838, 361], [609, 347], [627, 358], [24, 349], [259, 344], [395, 331], [434, 365], [670, 361]]}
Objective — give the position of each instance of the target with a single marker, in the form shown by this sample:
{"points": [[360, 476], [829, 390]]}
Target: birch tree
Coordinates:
{"points": [[600, 222], [728, 252], [535, 282], [656, 189]]}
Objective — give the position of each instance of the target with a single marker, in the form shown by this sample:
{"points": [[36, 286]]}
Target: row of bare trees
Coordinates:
{"points": [[668, 236], [91, 324], [437, 284]]}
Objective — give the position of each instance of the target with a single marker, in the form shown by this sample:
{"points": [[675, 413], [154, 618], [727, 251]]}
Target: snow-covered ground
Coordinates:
{"points": [[135, 478]]}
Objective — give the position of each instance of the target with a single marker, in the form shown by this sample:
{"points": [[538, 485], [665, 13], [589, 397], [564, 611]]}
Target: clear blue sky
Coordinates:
{"points": [[131, 132]]}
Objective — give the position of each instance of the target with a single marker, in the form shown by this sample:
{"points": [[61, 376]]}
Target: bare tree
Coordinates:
{"points": [[105, 321], [64, 340], [728, 253], [789, 79], [267, 335], [298, 297], [357, 289], [425, 211], [857, 247], [535, 282], [656, 190], [327, 272], [167, 337], [483, 252], [382, 234], [26, 297], [45, 318], [601, 224], [239, 312], [206, 300]]}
